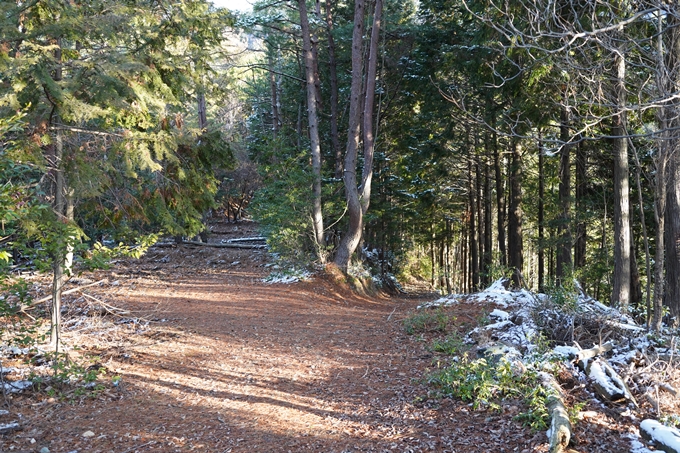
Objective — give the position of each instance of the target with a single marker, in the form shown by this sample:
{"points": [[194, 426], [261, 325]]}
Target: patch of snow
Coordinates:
{"points": [[293, 276], [446, 301], [499, 325], [565, 351], [636, 446], [17, 386], [664, 435], [598, 374], [499, 314]]}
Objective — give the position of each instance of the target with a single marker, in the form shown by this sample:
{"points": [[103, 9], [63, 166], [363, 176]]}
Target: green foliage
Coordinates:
{"points": [[563, 296], [283, 209], [486, 383], [452, 344], [426, 320], [71, 378], [99, 256]]}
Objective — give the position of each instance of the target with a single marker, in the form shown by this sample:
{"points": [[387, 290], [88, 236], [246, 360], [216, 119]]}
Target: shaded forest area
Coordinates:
{"points": [[529, 139], [450, 142]]}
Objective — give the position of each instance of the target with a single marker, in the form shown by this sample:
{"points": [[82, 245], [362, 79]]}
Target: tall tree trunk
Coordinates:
{"points": [[500, 200], [479, 195], [474, 256], [311, 79], [333, 71], [356, 203], [351, 239], [488, 240], [563, 230], [369, 103], [61, 252], [541, 217], [672, 230], [515, 244], [635, 283], [581, 181], [622, 241]]}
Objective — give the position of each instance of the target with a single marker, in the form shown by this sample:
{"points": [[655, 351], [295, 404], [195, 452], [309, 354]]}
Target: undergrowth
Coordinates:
{"points": [[428, 321], [486, 383]]}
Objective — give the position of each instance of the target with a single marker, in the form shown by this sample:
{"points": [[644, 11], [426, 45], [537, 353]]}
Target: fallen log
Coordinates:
{"points": [[228, 245], [663, 437], [587, 354], [559, 434], [607, 382]]}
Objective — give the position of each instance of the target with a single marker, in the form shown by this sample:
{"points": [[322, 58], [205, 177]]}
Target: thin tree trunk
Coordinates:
{"points": [[369, 103], [564, 262], [311, 78], [488, 239], [350, 240], [622, 242], [635, 283], [581, 181], [515, 244], [356, 204], [479, 194], [333, 71], [500, 201], [474, 256], [59, 207], [672, 230], [541, 217]]}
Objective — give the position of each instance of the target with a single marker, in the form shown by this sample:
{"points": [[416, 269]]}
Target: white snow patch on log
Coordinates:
{"points": [[568, 352], [599, 375], [500, 314], [665, 438]]}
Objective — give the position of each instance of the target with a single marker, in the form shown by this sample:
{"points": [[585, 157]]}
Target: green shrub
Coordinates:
{"points": [[453, 344], [486, 383]]}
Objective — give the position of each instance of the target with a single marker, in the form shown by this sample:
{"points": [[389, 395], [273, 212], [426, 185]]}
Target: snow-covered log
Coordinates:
{"points": [[559, 434], [664, 438], [586, 354], [607, 381]]}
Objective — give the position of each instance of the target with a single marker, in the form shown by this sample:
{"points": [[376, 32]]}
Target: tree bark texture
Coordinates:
{"points": [[541, 218], [500, 200], [488, 239], [333, 72], [358, 198], [351, 239], [515, 244], [581, 181], [369, 104], [622, 238], [474, 255], [564, 262], [311, 79]]}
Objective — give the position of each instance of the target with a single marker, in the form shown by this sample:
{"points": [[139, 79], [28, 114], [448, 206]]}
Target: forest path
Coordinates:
{"points": [[233, 364]]}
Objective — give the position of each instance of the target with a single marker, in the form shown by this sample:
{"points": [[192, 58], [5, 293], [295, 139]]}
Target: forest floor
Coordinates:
{"points": [[210, 358]]}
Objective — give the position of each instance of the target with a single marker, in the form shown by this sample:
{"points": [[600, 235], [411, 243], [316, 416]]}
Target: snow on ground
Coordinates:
{"points": [[497, 294], [511, 324], [287, 277], [636, 446]]}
